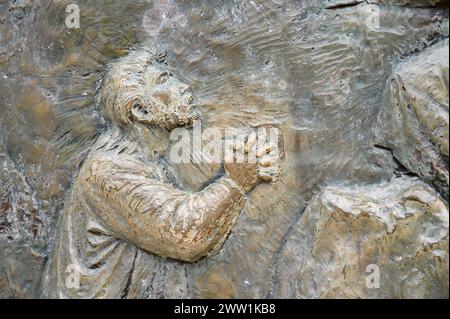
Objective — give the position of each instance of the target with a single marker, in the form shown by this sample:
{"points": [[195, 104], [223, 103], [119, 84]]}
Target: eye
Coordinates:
{"points": [[163, 78], [137, 105]]}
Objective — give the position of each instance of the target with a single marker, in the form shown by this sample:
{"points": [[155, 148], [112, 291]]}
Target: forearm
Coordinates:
{"points": [[162, 219], [202, 222]]}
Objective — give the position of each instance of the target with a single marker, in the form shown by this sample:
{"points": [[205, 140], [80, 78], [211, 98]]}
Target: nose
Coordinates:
{"points": [[163, 96], [186, 92], [184, 88]]}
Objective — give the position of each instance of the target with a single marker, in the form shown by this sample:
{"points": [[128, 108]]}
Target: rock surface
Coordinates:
{"points": [[317, 69], [414, 120], [401, 227]]}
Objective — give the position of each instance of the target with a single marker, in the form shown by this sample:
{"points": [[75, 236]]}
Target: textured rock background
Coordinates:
{"points": [[316, 69], [417, 105], [401, 226]]}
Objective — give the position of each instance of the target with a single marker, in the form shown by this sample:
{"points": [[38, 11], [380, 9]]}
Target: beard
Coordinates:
{"points": [[171, 120]]}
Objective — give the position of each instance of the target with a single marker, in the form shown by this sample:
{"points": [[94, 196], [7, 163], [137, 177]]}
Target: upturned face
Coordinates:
{"points": [[139, 90], [163, 100]]}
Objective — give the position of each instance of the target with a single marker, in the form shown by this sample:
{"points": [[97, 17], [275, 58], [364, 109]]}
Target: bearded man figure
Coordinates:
{"points": [[126, 204]]}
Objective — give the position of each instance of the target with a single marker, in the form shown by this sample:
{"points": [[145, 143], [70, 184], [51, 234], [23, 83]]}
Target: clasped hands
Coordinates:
{"points": [[261, 163]]}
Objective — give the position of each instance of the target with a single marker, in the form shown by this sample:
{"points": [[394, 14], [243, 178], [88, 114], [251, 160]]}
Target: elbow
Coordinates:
{"points": [[190, 258], [193, 248], [186, 252], [193, 252], [194, 236]]}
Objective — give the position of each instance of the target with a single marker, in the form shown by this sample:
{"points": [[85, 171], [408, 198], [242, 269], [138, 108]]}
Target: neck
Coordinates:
{"points": [[152, 141]]}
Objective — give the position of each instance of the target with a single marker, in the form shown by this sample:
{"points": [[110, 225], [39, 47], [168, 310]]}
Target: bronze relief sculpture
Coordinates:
{"points": [[126, 202], [95, 202]]}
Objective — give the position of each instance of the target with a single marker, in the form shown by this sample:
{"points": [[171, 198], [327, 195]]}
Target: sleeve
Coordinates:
{"points": [[160, 218]]}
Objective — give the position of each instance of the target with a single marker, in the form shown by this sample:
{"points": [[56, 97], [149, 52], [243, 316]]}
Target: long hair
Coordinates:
{"points": [[122, 84]]}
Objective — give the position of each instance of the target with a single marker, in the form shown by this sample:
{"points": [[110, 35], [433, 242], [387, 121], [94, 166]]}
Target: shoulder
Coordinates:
{"points": [[102, 167]]}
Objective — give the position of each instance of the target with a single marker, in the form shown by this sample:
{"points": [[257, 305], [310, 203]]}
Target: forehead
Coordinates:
{"points": [[131, 76], [153, 71]]}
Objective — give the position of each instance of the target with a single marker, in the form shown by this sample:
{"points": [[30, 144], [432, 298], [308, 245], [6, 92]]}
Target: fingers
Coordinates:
{"points": [[266, 178], [269, 174], [265, 149], [247, 144], [251, 141], [266, 154], [268, 160], [237, 147]]}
